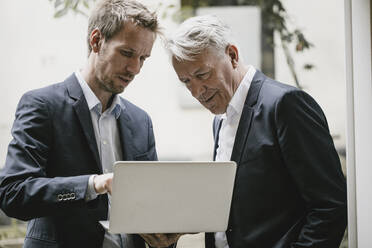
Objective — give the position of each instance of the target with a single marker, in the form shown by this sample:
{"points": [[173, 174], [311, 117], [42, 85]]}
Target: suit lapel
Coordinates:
{"points": [[124, 124], [242, 133], [246, 117], [82, 111]]}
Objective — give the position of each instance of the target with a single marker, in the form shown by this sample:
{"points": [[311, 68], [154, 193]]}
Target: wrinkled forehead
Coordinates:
{"points": [[186, 68], [206, 59]]}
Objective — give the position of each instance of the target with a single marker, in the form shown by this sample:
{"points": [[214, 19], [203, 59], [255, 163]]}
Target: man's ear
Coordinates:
{"points": [[96, 40], [232, 52]]}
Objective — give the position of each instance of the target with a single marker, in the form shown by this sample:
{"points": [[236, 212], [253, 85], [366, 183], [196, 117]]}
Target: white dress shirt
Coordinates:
{"points": [[230, 122]]}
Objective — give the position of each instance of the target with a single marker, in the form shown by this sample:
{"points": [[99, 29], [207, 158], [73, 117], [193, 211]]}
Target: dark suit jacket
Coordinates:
{"points": [[289, 188], [52, 155]]}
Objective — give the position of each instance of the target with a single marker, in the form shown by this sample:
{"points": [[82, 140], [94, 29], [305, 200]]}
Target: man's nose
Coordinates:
{"points": [[134, 66], [197, 90]]}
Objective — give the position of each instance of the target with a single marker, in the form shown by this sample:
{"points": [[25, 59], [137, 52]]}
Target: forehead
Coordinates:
{"points": [[206, 59], [134, 36]]}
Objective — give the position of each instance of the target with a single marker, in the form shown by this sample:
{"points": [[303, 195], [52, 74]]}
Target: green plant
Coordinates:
{"points": [[276, 17], [62, 7]]}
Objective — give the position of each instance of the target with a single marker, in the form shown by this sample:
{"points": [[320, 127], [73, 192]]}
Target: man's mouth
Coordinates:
{"points": [[208, 99], [125, 79]]}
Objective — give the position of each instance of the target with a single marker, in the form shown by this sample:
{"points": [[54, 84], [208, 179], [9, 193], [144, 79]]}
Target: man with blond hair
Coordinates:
{"points": [[67, 136], [289, 188]]}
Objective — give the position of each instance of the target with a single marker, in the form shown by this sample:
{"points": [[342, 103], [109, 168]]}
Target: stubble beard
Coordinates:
{"points": [[108, 85]]}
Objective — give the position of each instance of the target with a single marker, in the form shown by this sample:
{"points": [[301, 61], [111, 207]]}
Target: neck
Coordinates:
{"points": [[241, 70], [89, 75]]}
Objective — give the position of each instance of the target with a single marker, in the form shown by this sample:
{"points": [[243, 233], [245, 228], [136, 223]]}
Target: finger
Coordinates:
{"points": [[149, 238], [174, 235], [109, 185], [173, 238], [160, 240], [98, 182], [165, 240]]}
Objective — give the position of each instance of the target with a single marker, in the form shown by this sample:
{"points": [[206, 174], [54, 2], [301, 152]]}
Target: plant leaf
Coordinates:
{"points": [[61, 12]]}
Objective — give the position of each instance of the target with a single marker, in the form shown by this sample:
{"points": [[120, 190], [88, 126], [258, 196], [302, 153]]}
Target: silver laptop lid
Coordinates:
{"points": [[171, 197]]}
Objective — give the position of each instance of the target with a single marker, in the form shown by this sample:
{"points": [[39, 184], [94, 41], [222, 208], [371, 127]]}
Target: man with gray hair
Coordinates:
{"points": [[67, 136], [289, 188]]}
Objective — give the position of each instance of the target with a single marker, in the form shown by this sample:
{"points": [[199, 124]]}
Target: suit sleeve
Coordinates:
{"points": [[26, 192], [312, 161]]}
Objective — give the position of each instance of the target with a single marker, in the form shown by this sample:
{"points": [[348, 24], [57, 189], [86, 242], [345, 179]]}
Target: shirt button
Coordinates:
{"points": [[104, 142]]}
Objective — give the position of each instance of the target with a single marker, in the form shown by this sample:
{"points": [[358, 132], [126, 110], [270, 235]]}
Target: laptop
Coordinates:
{"points": [[170, 197]]}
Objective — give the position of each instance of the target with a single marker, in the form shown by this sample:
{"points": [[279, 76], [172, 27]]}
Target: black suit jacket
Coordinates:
{"points": [[52, 155], [289, 188]]}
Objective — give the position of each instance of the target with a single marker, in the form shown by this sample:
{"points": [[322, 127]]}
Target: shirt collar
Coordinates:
{"points": [[94, 103], [236, 103], [115, 107]]}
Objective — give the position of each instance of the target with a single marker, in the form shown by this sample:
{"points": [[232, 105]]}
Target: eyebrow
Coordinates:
{"points": [[196, 71], [134, 51]]}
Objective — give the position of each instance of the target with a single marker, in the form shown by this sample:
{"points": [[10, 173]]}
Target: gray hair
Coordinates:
{"points": [[197, 34], [109, 16]]}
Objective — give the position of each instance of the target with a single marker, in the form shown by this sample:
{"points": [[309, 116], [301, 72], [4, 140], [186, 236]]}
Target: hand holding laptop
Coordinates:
{"points": [[161, 239], [103, 183]]}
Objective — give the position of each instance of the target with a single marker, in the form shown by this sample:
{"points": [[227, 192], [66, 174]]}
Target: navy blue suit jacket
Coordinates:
{"points": [[289, 188], [52, 155]]}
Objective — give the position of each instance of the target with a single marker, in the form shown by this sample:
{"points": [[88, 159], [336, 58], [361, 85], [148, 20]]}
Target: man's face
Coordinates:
{"points": [[121, 58], [209, 78]]}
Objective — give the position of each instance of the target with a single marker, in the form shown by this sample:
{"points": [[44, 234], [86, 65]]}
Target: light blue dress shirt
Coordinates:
{"points": [[109, 148]]}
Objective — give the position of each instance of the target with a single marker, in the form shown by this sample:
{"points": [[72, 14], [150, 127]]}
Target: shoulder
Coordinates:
{"points": [[50, 94], [276, 93], [282, 99], [46, 98], [136, 113], [272, 89], [290, 103]]}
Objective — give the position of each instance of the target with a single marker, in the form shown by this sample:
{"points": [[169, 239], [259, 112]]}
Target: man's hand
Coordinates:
{"points": [[103, 183], [159, 240]]}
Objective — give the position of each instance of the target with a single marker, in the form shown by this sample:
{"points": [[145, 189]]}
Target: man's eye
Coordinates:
{"points": [[185, 81], [126, 53], [202, 75]]}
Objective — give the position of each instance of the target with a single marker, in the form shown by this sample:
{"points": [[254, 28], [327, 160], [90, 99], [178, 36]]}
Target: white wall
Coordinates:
{"points": [[322, 22], [36, 50]]}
